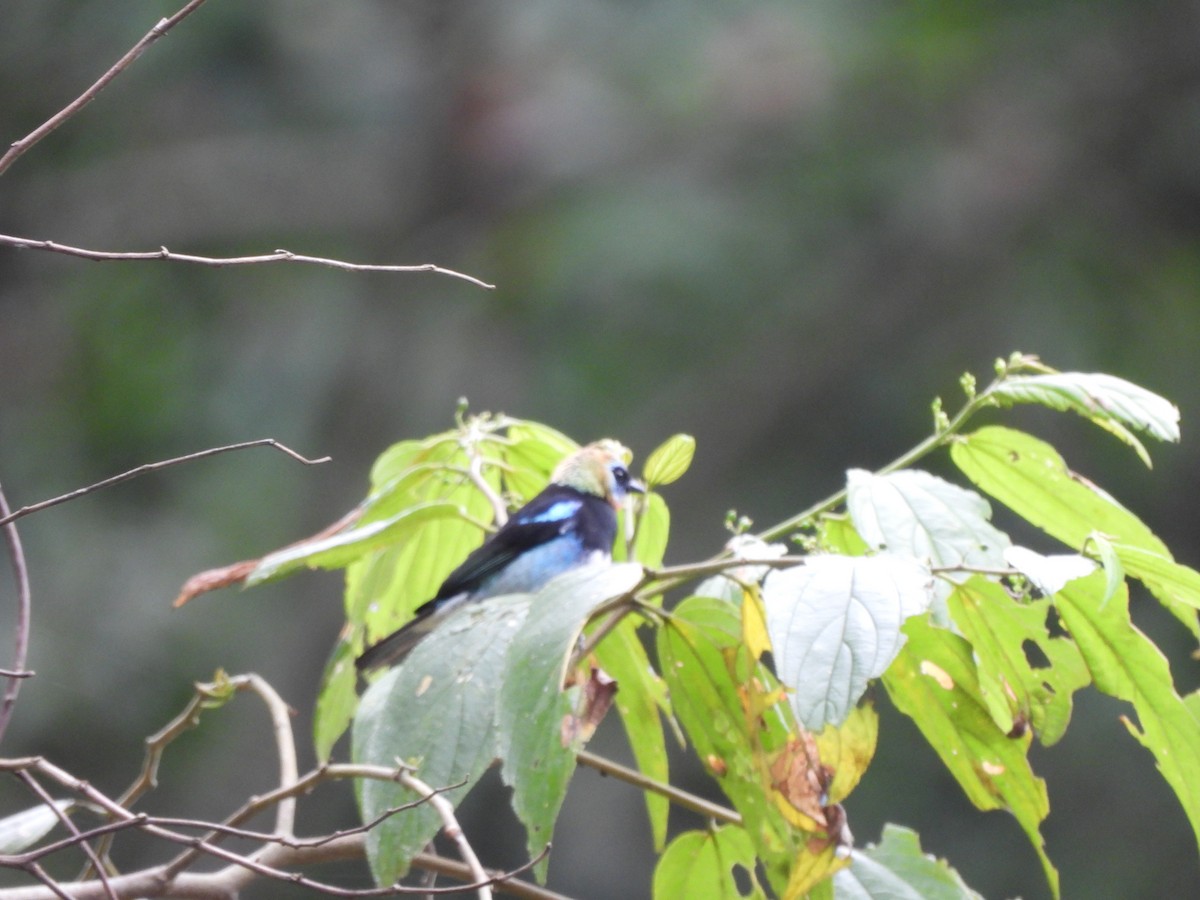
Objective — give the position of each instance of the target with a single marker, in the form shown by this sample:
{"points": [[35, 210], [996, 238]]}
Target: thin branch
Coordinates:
{"points": [[18, 148], [451, 828], [675, 795], [33, 784], [221, 262], [22, 860], [8, 517], [285, 747], [16, 555]]}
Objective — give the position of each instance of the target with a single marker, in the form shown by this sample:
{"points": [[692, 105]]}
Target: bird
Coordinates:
{"points": [[571, 523]]}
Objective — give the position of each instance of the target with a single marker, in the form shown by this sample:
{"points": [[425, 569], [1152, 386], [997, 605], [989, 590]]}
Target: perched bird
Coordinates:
{"points": [[569, 524]]}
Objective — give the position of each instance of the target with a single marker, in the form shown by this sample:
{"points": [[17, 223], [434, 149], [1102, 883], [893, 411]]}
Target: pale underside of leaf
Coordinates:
{"points": [[835, 624]]}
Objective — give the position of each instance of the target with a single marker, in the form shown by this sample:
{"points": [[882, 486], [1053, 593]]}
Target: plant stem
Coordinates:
{"points": [[675, 795], [939, 438]]}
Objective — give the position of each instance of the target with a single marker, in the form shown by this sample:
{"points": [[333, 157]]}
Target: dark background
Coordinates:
{"points": [[782, 227]]}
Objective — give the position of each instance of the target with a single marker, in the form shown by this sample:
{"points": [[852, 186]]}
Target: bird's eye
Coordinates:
{"points": [[620, 475]]}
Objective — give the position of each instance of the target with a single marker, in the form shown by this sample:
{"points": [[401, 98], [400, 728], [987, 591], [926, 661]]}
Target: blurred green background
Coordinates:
{"points": [[781, 227]]}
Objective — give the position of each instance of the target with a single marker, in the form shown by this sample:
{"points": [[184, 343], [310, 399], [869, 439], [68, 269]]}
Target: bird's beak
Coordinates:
{"points": [[635, 486]]}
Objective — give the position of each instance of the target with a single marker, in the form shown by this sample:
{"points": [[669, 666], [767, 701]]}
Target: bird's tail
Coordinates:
{"points": [[397, 645]]}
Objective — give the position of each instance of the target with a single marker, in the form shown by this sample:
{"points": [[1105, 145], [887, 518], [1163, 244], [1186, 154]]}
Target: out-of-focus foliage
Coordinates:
{"points": [[773, 225]]}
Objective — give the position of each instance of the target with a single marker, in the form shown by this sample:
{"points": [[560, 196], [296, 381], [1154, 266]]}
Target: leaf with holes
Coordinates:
{"points": [[701, 865], [934, 681], [1126, 664]]}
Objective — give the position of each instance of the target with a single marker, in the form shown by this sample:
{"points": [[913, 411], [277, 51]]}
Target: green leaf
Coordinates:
{"points": [[641, 695], [436, 712], [896, 869], [669, 460], [1108, 401], [835, 624], [531, 705], [532, 454], [699, 649], [998, 628], [935, 683], [700, 865], [384, 588], [913, 513], [337, 699], [836, 534], [1030, 478], [22, 830], [653, 529], [1126, 664], [345, 547], [1160, 573]]}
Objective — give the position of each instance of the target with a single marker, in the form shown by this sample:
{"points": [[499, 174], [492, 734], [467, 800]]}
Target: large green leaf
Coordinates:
{"points": [[1112, 403], [935, 683], [700, 865], [914, 513], [642, 700], [1126, 664], [436, 712], [531, 705], [705, 662], [532, 452], [896, 869], [1029, 477], [998, 628], [835, 624]]}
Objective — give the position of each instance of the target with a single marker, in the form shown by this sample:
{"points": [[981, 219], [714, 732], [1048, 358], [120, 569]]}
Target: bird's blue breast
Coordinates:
{"points": [[531, 570]]}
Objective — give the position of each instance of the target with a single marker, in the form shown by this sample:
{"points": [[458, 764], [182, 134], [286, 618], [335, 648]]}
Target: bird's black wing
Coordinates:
{"points": [[541, 520]]}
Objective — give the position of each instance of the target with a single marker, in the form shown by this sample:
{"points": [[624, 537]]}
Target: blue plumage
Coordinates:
{"points": [[571, 523]]}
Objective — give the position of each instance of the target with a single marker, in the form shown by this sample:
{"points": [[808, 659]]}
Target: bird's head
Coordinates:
{"points": [[599, 469]]}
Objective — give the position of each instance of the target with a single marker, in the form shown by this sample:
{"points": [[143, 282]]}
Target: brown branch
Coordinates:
{"points": [[33, 784], [275, 861], [219, 262], [16, 554], [672, 793], [18, 148], [8, 517]]}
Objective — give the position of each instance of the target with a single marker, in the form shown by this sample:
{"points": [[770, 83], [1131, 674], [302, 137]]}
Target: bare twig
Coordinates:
{"points": [[16, 555], [220, 262], [278, 860], [672, 793], [285, 747], [451, 828], [153, 467], [18, 148], [33, 784]]}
